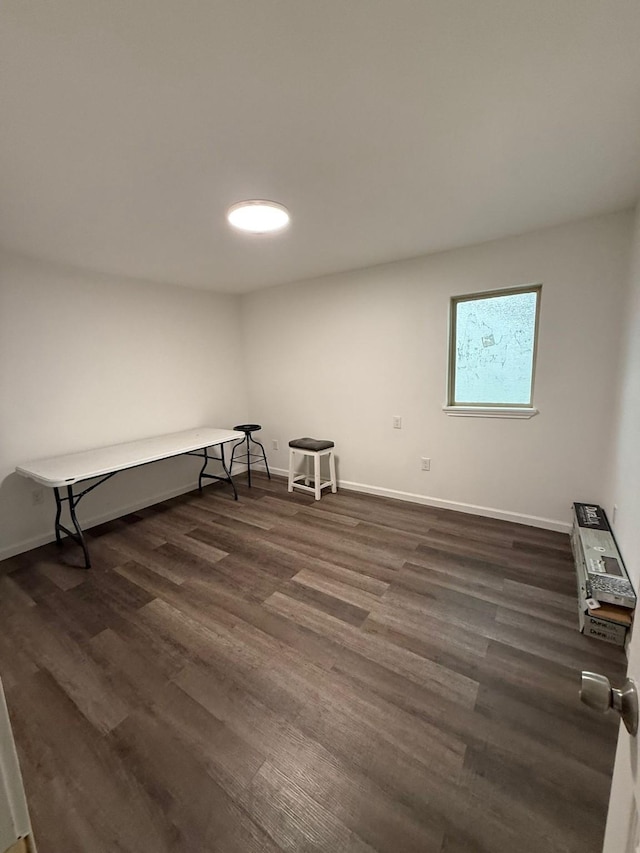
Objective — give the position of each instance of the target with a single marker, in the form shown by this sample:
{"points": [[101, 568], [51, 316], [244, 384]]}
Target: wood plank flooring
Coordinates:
{"points": [[277, 674]]}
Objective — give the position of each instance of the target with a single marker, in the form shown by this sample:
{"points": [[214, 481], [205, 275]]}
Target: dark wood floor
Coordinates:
{"points": [[277, 674]]}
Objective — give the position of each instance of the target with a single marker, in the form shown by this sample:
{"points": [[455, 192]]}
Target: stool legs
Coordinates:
{"points": [[332, 473], [292, 470], [248, 437], [248, 462], [264, 455], [316, 475], [297, 479]]}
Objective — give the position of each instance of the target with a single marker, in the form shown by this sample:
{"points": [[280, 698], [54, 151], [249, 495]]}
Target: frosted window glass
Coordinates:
{"points": [[494, 345]]}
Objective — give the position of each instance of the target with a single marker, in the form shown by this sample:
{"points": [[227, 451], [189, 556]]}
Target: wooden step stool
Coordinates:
{"points": [[311, 448]]}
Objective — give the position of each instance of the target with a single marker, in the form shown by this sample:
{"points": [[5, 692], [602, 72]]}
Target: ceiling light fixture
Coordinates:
{"points": [[258, 216]]}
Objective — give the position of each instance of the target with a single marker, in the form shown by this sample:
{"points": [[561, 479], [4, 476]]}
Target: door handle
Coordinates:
{"points": [[596, 692]]}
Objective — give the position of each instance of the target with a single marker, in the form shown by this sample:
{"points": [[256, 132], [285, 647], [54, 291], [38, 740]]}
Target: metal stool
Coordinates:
{"points": [[247, 429], [311, 448]]}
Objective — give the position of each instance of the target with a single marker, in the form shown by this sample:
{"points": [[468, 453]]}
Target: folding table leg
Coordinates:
{"points": [[227, 472], [78, 535]]}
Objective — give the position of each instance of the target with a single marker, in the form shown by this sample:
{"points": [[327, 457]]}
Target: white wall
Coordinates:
{"points": [[87, 360], [338, 357]]}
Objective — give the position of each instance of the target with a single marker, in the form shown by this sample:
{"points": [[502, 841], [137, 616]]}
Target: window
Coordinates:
{"points": [[492, 352]]}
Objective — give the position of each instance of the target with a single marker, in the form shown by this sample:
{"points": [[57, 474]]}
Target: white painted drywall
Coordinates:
{"points": [[624, 492], [338, 357], [88, 360]]}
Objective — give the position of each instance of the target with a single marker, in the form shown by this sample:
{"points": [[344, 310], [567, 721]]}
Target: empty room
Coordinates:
{"points": [[319, 426]]}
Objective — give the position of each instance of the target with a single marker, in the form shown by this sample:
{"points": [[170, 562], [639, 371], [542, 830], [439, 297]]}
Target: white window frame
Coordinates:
{"points": [[490, 410]]}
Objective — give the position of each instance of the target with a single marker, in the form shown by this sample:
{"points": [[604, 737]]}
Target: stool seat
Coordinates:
{"points": [[311, 444], [312, 451], [247, 427]]}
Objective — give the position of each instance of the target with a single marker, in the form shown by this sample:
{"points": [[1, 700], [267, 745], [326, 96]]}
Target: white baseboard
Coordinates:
{"points": [[490, 512], [111, 515], [456, 506]]}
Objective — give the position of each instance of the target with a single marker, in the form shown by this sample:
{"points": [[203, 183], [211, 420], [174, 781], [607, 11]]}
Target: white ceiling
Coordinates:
{"points": [[390, 128]]}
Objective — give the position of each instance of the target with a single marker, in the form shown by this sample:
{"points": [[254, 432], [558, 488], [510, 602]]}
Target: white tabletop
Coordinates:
{"points": [[65, 470]]}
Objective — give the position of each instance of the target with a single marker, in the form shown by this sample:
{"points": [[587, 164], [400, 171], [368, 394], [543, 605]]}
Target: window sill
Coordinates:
{"points": [[489, 412]]}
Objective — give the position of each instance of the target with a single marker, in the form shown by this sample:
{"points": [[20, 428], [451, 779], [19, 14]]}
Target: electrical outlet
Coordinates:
{"points": [[426, 463], [397, 422], [37, 497], [274, 444]]}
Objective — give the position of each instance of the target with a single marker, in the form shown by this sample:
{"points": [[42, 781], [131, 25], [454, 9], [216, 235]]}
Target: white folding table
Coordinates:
{"points": [[62, 472]]}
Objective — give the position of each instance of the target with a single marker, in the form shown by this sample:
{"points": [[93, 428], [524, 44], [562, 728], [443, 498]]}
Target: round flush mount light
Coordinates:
{"points": [[258, 216]]}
